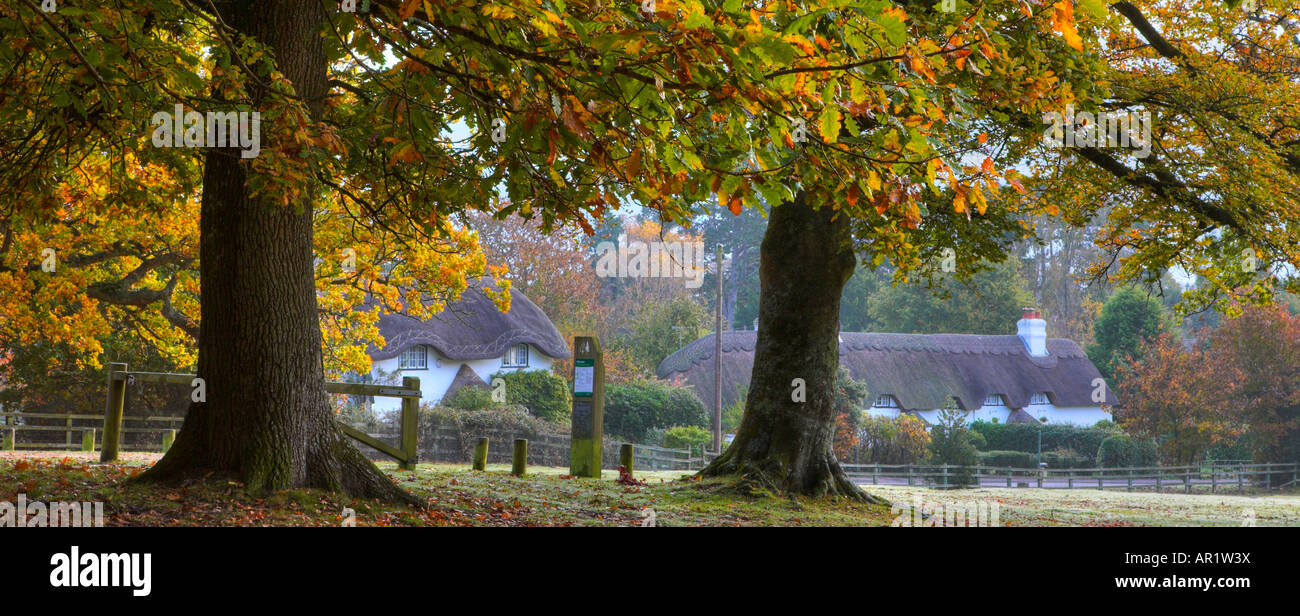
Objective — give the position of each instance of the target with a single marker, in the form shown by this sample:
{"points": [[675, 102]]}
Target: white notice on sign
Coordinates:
{"points": [[584, 379]]}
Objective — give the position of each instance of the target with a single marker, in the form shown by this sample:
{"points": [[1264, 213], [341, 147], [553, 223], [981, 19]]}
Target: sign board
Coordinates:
{"points": [[584, 377]]}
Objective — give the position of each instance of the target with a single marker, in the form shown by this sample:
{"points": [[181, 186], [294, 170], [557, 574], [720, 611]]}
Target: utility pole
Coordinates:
{"points": [[717, 361]]}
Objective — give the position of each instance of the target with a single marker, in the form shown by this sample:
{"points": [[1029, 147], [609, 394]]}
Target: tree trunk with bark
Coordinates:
{"points": [[266, 417], [785, 444]]}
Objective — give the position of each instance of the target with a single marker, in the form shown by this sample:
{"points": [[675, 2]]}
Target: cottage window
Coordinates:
{"points": [[1040, 398], [516, 357], [993, 400], [886, 401], [414, 358]]}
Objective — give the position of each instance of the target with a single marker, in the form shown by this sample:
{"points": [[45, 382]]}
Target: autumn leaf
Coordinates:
{"points": [[828, 123], [408, 9], [1063, 22]]}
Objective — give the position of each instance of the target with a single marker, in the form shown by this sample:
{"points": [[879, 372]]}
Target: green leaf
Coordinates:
{"points": [[828, 123], [1093, 8], [895, 29]]}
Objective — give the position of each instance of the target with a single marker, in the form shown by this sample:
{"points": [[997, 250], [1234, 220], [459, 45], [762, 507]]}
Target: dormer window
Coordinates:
{"points": [[886, 401], [994, 400], [516, 357], [1039, 398], [414, 358]]}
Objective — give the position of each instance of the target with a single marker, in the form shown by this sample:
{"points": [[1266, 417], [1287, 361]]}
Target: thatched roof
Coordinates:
{"points": [[921, 371], [473, 328]]}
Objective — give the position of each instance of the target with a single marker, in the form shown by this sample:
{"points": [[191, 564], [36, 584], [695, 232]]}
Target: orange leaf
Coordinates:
{"points": [[1063, 22], [408, 9]]}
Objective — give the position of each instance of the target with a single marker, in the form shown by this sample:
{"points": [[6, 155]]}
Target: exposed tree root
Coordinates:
{"points": [[770, 475]]}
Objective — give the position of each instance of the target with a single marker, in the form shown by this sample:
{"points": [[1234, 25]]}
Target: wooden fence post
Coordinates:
{"points": [[480, 454], [88, 440], [113, 414], [519, 461], [169, 437], [625, 457], [410, 425], [10, 439]]}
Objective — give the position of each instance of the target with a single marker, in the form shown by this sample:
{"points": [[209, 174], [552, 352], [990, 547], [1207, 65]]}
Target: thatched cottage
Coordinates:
{"points": [[1025, 377], [464, 345]]}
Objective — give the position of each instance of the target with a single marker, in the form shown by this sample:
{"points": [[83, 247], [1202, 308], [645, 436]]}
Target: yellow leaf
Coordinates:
{"points": [[1063, 22]]}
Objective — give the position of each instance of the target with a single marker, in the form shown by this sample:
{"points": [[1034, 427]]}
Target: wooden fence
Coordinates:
{"points": [[80, 429], [1212, 475], [406, 453]]}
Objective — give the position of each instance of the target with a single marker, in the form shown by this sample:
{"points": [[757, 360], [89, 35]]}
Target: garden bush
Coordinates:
{"points": [[1008, 459], [1122, 450], [686, 437], [1024, 437], [544, 393], [886, 440], [633, 409], [469, 399]]}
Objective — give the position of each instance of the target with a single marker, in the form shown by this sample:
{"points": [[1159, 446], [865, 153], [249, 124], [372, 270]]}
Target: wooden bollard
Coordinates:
{"points": [[519, 462], [480, 454], [10, 439], [88, 440], [113, 414], [169, 437], [625, 457]]}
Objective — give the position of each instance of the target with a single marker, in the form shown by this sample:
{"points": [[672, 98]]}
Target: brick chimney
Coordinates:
{"points": [[1032, 330]]}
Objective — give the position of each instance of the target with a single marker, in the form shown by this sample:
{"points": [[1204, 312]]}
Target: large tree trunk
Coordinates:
{"points": [[785, 444], [266, 417]]}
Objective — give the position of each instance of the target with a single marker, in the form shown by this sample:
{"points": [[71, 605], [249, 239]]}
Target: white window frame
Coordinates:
{"points": [[888, 402], [994, 400], [1039, 398], [414, 358], [509, 360]]}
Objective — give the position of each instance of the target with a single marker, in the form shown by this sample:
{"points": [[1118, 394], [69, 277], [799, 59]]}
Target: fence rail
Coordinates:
{"points": [[1210, 474], [406, 452]]}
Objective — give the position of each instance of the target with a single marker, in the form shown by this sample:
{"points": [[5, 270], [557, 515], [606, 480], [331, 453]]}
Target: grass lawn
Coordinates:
{"points": [[548, 497]]}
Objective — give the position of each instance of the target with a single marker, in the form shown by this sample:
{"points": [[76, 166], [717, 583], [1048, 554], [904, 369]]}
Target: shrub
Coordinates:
{"points": [[633, 409], [1055, 459], [545, 394], [1122, 450], [896, 440], [1008, 459], [950, 443], [449, 435], [502, 419], [686, 437], [469, 399], [361, 416], [1056, 437]]}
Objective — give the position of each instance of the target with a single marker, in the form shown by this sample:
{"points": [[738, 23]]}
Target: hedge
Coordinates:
{"points": [[1008, 459], [1121, 451], [1024, 437], [633, 409], [544, 393]]}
